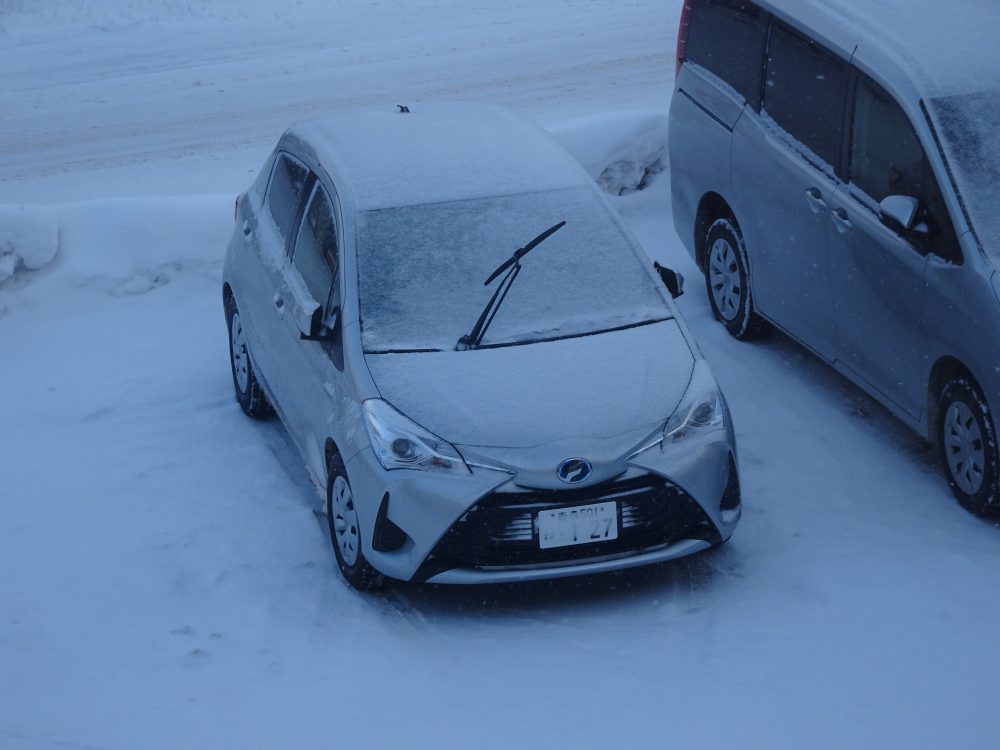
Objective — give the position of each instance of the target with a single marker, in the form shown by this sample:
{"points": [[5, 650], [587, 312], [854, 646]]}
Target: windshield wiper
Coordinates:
{"points": [[513, 267]]}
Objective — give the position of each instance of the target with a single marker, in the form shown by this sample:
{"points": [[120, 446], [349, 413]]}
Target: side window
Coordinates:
{"points": [[886, 155], [284, 192], [315, 256], [804, 92], [888, 159], [727, 38]]}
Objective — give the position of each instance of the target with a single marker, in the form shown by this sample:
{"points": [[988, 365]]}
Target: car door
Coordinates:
{"points": [[313, 369], [784, 176], [268, 234], [878, 269]]}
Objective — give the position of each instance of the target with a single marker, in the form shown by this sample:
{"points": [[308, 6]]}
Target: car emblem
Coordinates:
{"points": [[575, 470]]}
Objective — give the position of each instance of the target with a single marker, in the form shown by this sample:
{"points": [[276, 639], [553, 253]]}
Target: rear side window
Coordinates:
{"points": [[315, 255], [727, 39], [804, 92], [284, 192]]}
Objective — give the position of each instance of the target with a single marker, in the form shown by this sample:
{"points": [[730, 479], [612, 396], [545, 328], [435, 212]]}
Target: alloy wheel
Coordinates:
{"points": [[964, 448], [345, 521], [724, 279]]}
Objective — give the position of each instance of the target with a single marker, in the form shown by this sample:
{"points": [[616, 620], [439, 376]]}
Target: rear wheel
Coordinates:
{"points": [[728, 281], [249, 394], [345, 530], [969, 447]]}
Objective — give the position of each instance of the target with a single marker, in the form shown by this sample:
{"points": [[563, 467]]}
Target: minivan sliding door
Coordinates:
{"points": [[784, 178]]}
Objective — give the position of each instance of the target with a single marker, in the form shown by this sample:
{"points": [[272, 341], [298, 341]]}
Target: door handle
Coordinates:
{"points": [[247, 230], [814, 198], [279, 303], [841, 220]]}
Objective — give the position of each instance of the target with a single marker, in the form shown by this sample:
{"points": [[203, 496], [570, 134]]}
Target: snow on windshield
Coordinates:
{"points": [[421, 271], [969, 124]]}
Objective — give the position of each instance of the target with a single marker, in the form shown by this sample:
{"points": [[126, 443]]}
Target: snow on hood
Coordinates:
{"points": [[522, 396]]}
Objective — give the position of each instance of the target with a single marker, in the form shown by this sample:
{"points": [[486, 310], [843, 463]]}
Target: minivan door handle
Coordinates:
{"points": [[841, 220], [814, 198]]}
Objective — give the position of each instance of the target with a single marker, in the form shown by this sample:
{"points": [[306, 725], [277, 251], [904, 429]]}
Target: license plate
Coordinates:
{"points": [[583, 524]]}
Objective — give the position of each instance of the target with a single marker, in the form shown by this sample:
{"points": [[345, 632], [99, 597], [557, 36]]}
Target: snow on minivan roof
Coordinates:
{"points": [[436, 153], [941, 47]]}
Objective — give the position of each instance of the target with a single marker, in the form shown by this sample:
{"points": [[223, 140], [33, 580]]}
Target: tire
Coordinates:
{"points": [[249, 394], [968, 443], [345, 531], [727, 281]]}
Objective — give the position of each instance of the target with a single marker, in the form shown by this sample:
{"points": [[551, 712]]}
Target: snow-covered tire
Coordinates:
{"points": [[249, 394], [728, 281], [968, 443], [345, 531]]}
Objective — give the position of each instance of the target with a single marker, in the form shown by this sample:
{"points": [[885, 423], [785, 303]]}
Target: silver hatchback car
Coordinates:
{"points": [[556, 420], [836, 172]]}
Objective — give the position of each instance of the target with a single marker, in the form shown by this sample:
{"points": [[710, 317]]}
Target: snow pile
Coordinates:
{"points": [[29, 238], [622, 151]]}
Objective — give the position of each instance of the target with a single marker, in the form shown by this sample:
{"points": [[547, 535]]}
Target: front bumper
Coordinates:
{"points": [[483, 528]]}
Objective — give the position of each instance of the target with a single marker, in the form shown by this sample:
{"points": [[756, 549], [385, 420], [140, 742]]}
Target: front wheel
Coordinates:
{"points": [[728, 281], [345, 530], [969, 447]]}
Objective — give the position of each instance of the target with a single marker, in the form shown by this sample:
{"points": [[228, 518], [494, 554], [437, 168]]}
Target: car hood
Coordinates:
{"points": [[596, 388]]}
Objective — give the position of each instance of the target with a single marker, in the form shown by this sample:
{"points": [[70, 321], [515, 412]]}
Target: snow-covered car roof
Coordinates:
{"points": [[384, 158], [939, 47]]}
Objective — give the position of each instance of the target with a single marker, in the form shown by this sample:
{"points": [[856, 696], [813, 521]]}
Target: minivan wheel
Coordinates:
{"points": [[969, 447], [345, 530], [249, 394], [727, 280]]}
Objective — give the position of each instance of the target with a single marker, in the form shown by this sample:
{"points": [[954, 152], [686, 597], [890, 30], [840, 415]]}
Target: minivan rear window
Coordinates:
{"points": [[804, 93], [727, 39]]}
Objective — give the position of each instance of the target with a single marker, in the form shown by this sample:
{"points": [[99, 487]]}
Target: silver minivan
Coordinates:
{"points": [[555, 420], [836, 173]]}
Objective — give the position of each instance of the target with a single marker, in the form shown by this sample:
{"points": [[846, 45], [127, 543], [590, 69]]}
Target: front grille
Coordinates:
{"points": [[501, 530]]}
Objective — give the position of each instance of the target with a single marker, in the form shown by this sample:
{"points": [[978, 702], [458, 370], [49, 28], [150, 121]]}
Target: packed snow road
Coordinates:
{"points": [[166, 582]]}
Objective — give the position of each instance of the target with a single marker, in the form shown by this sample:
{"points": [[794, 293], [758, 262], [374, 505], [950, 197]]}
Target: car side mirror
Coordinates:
{"points": [[314, 326], [672, 280], [899, 212]]}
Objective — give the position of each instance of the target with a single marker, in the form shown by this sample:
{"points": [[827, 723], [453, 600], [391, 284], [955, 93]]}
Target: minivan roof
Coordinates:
{"points": [[385, 158], [941, 47]]}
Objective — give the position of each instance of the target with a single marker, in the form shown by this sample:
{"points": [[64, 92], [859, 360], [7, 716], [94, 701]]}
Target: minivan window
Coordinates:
{"points": [[886, 156], [284, 192], [804, 92], [727, 39], [315, 256]]}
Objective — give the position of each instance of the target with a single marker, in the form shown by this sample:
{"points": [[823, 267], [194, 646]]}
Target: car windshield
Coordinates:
{"points": [[421, 271], [969, 124]]}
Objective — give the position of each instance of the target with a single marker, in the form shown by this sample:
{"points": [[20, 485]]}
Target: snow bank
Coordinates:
{"points": [[622, 151], [122, 246], [29, 238]]}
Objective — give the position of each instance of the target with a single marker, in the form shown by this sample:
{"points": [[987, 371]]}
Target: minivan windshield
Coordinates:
{"points": [[421, 271], [969, 125]]}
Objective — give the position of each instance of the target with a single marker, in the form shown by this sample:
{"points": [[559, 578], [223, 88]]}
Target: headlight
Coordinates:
{"points": [[701, 408], [400, 443]]}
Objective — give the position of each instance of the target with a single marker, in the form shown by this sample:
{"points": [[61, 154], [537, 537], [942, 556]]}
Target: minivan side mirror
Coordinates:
{"points": [[672, 280], [899, 212]]}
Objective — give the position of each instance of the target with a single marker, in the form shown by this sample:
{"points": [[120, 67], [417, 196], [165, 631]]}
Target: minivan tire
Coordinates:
{"points": [[727, 280], [968, 444], [345, 531], [249, 393]]}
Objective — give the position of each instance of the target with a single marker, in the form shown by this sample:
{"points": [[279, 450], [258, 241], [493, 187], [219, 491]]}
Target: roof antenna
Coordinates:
{"points": [[403, 109]]}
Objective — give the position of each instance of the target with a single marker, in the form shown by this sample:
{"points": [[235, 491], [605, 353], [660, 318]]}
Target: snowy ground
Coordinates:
{"points": [[165, 582]]}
